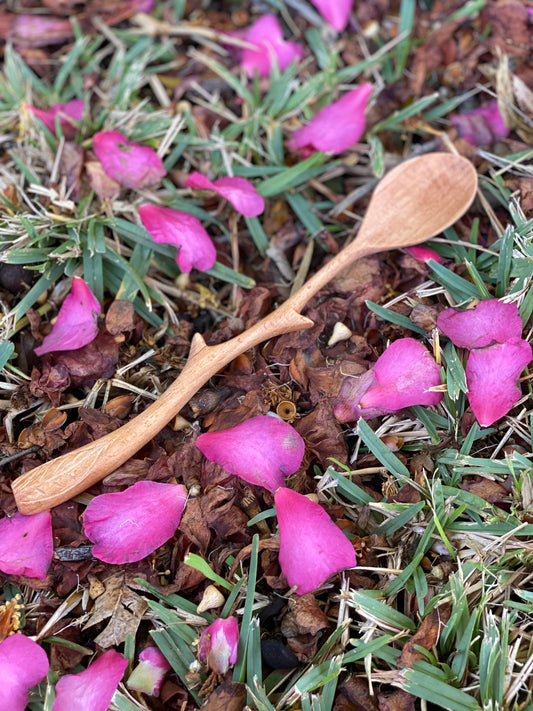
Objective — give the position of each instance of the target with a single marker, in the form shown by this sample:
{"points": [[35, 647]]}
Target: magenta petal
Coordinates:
{"points": [[401, 377], [267, 36], [69, 113], [424, 253], [404, 372], [168, 226], [92, 689], [492, 375], [76, 322], [218, 644], [336, 13], [238, 191], [23, 664], [311, 546], [129, 525], [491, 321], [130, 164], [337, 126], [482, 126], [262, 450], [26, 544], [148, 675]]}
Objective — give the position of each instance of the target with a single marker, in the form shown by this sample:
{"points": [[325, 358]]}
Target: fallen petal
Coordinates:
{"points": [[92, 689], [129, 163], [337, 126], [267, 36], [23, 664], [129, 525], [69, 114], [491, 321], [218, 644], [76, 322], [336, 13], [347, 405], [238, 191], [148, 675], [482, 126], [184, 231], [424, 253], [262, 450], [311, 546], [492, 378], [26, 544], [401, 377]]}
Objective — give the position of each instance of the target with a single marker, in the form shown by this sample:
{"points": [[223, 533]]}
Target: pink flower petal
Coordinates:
{"points": [[262, 450], [401, 377], [218, 644], [492, 378], [168, 226], [92, 689], [76, 322], [267, 36], [337, 126], [130, 164], [238, 191], [336, 13], [148, 675], [491, 321], [69, 114], [482, 126], [311, 546], [26, 544], [129, 525], [424, 253], [23, 664]]}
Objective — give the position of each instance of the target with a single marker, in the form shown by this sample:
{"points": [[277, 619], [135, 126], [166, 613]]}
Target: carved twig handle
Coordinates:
{"points": [[64, 477]]}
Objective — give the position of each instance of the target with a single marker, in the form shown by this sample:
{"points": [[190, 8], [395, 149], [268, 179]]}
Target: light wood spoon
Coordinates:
{"points": [[415, 201]]}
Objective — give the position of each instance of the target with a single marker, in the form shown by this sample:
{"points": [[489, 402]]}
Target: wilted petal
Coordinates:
{"points": [[218, 644], [32, 30], [26, 544], [69, 114], [336, 13], [311, 546], [401, 377], [482, 126], [238, 191], [347, 405], [129, 163], [267, 36], [92, 689], [262, 450], [76, 322], [337, 126], [491, 321], [148, 675], [424, 253], [23, 664], [492, 378], [128, 525], [184, 231]]}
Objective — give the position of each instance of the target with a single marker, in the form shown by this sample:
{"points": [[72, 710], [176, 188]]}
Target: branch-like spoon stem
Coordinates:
{"points": [[414, 202]]}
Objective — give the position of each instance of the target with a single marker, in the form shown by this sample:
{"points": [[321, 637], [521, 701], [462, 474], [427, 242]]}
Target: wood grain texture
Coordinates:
{"points": [[414, 202]]}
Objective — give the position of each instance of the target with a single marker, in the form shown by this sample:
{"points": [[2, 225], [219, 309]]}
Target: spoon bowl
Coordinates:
{"points": [[415, 201]]}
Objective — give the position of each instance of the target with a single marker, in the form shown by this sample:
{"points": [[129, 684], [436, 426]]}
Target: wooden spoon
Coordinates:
{"points": [[415, 201]]}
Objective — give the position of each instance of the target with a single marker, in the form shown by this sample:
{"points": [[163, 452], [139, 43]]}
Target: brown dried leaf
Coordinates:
{"points": [[120, 605], [304, 617], [426, 636], [228, 696], [120, 317], [104, 186]]}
